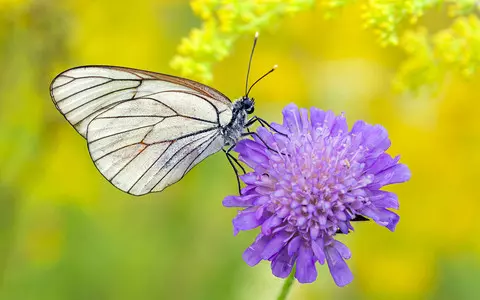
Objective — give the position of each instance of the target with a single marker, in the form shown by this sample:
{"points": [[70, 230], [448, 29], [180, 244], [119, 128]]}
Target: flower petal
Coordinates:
{"points": [[382, 162], [279, 128], [305, 123], [374, 136], [338, 267], [239, 201], [339, 126], [283, 263], [246, 220], [342, 249], [384, 199], [270, 223], [396, 174], [329, 120], [294, 245], [291, 118], [306, 271], [276, 244], [317, 247], [381, 216], [317, 116], [252, 254]]}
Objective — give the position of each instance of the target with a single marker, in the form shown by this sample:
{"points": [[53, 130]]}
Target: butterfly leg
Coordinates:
{"points": [[232, 160], [251, 133], [263, 123]]}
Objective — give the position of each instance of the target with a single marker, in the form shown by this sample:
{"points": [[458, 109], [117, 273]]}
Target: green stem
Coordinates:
{"points": [[286, 286]]}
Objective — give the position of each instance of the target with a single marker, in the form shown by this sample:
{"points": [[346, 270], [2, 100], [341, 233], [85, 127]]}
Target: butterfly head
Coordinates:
{"points": [[248, 104]]}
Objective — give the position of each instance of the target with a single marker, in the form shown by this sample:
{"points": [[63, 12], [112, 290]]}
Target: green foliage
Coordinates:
{"points": [[462, 7], [429, 55], [459, 46], [223, 22], [420, 68], [333, 7]]}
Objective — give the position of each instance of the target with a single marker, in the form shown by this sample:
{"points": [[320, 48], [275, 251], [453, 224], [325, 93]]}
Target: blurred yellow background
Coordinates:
{"points": [[66, 233]]}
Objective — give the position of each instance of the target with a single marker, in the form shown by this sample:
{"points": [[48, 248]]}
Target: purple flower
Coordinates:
{"points": [[310, 179]]}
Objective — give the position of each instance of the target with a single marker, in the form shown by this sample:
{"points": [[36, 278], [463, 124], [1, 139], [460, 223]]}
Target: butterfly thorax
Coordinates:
{"points": [[233, 131]]}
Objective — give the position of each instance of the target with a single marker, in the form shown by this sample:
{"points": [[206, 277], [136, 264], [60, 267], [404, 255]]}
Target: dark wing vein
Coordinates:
{"points": [[181, 159], [157, 116], [83, 90], [63, 84], [109, 106], [96, 98], [159, 142], [196, 86], [125, 131], [135, 156], [191, 163]]}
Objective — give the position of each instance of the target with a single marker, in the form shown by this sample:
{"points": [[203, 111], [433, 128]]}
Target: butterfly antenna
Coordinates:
{"points": [[250, 61], [273, 69]]}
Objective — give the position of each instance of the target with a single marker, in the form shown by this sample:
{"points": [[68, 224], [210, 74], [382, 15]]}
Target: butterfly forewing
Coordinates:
{"points": [[144, 130], [81, 93]]}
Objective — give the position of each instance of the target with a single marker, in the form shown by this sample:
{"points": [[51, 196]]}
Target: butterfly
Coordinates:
{"points": [[146, 130]]}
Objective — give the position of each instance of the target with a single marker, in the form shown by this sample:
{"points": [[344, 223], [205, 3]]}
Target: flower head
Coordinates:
{"points": [[311, 177]]}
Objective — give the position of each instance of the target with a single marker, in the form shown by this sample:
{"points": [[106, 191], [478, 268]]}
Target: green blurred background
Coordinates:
{"points": [[66, 233]]}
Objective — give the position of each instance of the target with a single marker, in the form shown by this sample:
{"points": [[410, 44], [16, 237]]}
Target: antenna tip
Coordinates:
{"points": [[256, 35], [274, 67]]}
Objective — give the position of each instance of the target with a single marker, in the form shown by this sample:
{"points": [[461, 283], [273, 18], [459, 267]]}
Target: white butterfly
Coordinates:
{"points": [[146, 130]]}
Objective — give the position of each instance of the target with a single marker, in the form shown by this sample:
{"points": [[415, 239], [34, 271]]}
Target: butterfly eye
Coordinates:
{"points": [[250, 109]]}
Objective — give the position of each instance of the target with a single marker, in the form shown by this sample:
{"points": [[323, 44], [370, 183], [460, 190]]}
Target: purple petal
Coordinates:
{"points": [[396, 174], [247, 190], [246, 220], [314, 231], [261, 200], [343, 226], [275, 245], [384, 199], [374, 136], [340, 125], [306, 271], [342, 249], [270, 223], [294, 245], [338, 267], [305, 123], [253, 157], [358, 127], [252, 254], [384, 161], [266, 135], [329, 120], [381, 216], [317, 247], [249, 144], [279, 128], [241, 146], [317, 116], [249, 178], [239, 201], [283, 263], [291, 118]]}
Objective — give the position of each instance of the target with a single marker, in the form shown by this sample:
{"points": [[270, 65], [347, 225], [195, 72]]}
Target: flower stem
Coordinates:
{"points": [[286, 286]]}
